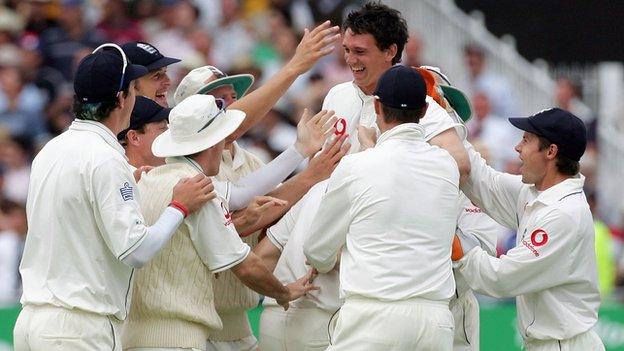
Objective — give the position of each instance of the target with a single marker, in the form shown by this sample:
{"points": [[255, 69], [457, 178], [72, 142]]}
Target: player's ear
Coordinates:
{"points": [[553, 150], [121, 100], [391, 52]]}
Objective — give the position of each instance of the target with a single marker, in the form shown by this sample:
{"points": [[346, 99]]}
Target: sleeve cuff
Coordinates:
{"points": [[273, 240], [233, 263]]}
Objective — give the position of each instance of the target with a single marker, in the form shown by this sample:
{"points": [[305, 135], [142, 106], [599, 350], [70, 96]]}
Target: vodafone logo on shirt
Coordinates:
{"points": [[340, 127], [539, 237]]}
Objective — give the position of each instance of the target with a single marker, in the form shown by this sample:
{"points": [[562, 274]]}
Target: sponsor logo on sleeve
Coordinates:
{"points": [[126, 192], [227, 214], [538, 238]]}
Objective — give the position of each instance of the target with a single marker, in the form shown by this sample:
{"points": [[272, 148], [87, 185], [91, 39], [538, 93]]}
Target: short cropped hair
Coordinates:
{"points": [[385, 24]]}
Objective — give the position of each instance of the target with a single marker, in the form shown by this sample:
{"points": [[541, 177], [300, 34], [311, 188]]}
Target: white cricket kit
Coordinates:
{"points": [[464, 305], [289, 235], [174, 302], [232, 297], [83, 219], [361, 207], [354, 108], [552, 270], [305, 325], [393, 208]]}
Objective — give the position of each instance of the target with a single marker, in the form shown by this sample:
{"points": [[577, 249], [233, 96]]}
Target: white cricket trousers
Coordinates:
{"points": [[298, 329], [587, 341], [248, 343], [465, 310], [407, 325], [56, 328]]}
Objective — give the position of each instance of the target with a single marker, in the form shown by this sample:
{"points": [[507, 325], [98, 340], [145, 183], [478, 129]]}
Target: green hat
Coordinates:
{"points": [[193, 83], [458, 100]]}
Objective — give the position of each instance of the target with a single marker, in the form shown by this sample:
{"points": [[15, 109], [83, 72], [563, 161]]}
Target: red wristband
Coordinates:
{"points": [[179, 206]]}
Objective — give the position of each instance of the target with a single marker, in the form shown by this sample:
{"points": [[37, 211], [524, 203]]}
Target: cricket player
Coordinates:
{"points": [[391, 211], [373, 39], [470, 219], [174, 306], [232, 298], [86, 233], [552, 270], [156, 82]]}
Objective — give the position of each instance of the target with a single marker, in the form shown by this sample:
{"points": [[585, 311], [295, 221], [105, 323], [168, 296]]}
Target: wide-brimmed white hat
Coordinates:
{"points": [[196, 124], [198, 81]]}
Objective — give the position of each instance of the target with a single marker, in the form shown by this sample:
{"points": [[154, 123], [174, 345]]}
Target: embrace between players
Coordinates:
{"points": [[145, 222]]}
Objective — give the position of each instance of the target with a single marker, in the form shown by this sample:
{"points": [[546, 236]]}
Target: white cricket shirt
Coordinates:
{"points": [[354, 108], [552, 270], [289, 235], [394, 209], [83, 219], [472, 220]]}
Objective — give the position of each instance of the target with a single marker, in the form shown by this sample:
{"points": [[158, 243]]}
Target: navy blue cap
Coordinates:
{"points": [[401, 87], [560, 127], [145, 111], [146, 55], [99, 76]]}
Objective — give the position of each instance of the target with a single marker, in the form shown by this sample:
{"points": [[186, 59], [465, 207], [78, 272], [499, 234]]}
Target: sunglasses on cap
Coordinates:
{"points": [[123, 57], [221, 105]]}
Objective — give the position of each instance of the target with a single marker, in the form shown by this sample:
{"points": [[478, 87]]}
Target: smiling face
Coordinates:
{"points": [[154, 86], [366, 61], [534, 161]]}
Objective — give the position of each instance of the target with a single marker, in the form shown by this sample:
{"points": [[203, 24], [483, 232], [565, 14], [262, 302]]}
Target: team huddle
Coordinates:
{"points": [[150, 228]]}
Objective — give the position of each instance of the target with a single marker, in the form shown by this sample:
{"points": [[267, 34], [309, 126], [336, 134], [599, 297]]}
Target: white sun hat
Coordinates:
{"points": [[196, 124], [198, 81]]}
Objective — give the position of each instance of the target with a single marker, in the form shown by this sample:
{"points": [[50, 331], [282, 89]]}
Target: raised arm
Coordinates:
{"points": [[314, 45]]}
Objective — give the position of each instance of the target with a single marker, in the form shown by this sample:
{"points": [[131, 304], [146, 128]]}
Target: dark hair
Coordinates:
{"points": [[565, 165], [385, 24], [96, 111], [392, 114]]}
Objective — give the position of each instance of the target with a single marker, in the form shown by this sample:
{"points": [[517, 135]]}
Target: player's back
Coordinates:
{"points": [[403, 197]]}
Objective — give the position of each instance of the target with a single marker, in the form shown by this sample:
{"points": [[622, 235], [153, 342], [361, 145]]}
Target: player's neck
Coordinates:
{"points": [[550, 179]]}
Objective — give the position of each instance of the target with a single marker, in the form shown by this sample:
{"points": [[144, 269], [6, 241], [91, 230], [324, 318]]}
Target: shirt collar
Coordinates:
{"points": [[238, 160], [99, 129], [186, 161], [559, 191], [361, 94], [409, 131]]}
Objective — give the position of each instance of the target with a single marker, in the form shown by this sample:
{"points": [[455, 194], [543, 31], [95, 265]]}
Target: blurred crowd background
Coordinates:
{"points": [[41, 42]]}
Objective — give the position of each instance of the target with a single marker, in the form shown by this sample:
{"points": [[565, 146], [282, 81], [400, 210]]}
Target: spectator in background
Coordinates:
{"points": [[480, 79], [14, 155], [13, 230], [45, 78], [38, 15], [60, 44], [116, 25], [412, 54], [604, 250], [21, 105], [177, 19], [497, 135], [233, 43], [568, 95]]}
